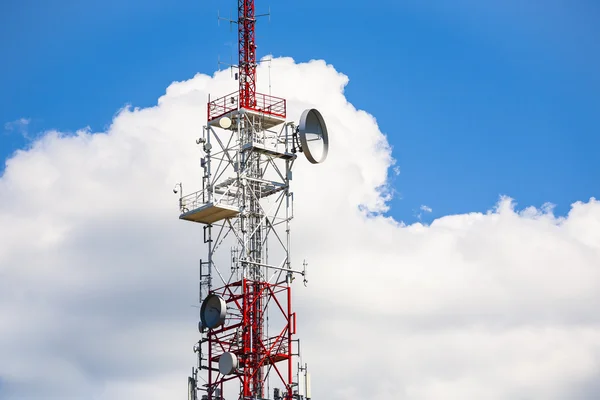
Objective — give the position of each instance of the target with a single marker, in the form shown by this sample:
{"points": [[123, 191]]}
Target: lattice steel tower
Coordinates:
{"points": [[247, 325]]}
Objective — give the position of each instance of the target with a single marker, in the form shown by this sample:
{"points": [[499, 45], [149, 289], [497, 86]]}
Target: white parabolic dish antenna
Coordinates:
{"points": [[313, 136], [213, 311], [225, 122], [228, 363]]}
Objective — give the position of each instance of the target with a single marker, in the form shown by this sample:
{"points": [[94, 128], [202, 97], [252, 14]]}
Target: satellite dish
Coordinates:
{"points": [[228, 363], [225, 122], [213, 311], [313, 136]]}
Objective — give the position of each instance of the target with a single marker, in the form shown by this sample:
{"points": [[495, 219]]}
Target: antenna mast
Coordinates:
{"points": [[247, 53], [247, 326]]}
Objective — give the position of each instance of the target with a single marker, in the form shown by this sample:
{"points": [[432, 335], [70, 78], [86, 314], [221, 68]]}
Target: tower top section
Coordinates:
{"points": [[247, 53], [270, 109]]}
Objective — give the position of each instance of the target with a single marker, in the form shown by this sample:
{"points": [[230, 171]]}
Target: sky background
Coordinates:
{"points": [[98, 277], [477, 100]]}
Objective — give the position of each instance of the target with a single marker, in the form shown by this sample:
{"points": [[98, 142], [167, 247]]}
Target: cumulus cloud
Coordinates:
{"points": [[98, 276]]}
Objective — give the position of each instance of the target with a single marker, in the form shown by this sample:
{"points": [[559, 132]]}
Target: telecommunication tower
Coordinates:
{"points": [[247, 324]]}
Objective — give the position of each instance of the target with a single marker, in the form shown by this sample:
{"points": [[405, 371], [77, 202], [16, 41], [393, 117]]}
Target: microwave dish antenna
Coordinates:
{"points": [[228, 363], [225, 122], [213, 311], [313, 136]]}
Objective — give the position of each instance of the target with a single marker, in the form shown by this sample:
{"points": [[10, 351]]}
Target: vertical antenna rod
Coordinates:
{"points": [[247, 53]]}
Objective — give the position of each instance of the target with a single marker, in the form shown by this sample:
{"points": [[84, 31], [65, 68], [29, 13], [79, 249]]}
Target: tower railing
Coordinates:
{"points": [[197, 199], [265, 104]]}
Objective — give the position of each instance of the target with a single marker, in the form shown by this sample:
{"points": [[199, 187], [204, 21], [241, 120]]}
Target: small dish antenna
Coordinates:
{"points": [[228, 363], [313, 136], [225, 122], [213, 311]]}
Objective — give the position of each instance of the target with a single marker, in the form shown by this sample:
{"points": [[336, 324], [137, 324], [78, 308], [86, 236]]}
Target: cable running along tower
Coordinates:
{"points": [[247, 347]]}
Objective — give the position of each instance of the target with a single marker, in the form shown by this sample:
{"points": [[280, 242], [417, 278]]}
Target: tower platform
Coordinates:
{"points": [[268, 150], [210, 213], [195, 207], [270, 111]]}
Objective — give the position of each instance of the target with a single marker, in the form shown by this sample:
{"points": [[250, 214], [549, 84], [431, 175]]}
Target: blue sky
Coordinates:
{"points": [[478, 99]]}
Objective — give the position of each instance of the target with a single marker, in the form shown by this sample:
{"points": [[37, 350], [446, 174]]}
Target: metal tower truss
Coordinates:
{"points": [[247, 324], [246, 203]]}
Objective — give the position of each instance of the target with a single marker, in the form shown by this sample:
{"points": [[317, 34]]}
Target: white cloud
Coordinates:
{"points": [[97, 274], [19, 126], [21, 122], [423, 209]]}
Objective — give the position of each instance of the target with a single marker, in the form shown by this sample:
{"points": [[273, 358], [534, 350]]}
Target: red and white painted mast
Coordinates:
{"points": [[247, 347], [247, 53]]}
